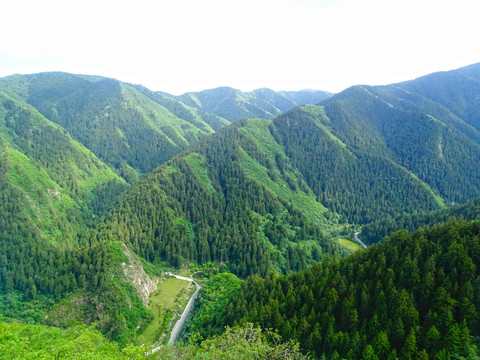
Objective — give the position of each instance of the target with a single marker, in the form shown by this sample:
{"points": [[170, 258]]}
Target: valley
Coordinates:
{"points": [[339, 226]]}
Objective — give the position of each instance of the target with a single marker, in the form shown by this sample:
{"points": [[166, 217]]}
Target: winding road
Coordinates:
{"points": [[359, 241], [180, 322]]}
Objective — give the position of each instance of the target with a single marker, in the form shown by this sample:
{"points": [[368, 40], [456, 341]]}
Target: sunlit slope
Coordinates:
{"points": [[58, 178]]}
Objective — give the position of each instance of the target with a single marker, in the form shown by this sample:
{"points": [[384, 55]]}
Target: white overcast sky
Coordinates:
{"points": [[190, 45]]}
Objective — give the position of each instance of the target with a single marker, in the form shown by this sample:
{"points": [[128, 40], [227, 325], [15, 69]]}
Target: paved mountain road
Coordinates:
{"points": [[359, 241], [180, 322]]}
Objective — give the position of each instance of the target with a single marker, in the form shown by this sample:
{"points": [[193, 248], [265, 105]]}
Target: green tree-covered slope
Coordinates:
{"points": [[415, 296], [375, 231], [121, 125], [375, 151], [257, 196], [457, 90], [194, 115], [232, 199], [51, 189], [252, 191], [59, 180], [365, 158], [35, 342]]}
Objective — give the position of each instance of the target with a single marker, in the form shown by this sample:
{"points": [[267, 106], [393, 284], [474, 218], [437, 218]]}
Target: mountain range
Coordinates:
{"points": [[95, 173]]}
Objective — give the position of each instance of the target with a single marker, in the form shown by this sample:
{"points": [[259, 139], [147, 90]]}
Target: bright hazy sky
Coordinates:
{"points": [[189, 45]]}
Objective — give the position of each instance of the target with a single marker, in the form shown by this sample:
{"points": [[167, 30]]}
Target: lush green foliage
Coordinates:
{"points": [[413, 295], [257, 197], [34, 342], [456, 90], [366, 158], [123, 127], [354, 155], [209, 306], [242, 343], [201, 119], [59, 176]]}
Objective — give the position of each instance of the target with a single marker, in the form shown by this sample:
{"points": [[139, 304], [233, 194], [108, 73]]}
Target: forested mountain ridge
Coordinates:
{"points": [[134, 129], [364, 154], [123, 127], [457, 90], [233, 104], [60, 180], [374, 132], [258, 196], [196, 116], [51, 189], [199, 207]]}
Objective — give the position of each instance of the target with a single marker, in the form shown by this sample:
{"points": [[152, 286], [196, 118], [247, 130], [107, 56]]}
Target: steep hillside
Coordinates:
{"points": [[233, 104], [365, 157], [457, 90], [60, 179], [257, 196], [51, 189], [201, 119]]}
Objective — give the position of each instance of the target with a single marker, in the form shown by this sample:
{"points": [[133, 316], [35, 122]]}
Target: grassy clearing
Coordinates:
{"points": [[166, 302], [306, 203], [349, 245], [197, 162], [258, 131], [46, 199], [320, 118]]}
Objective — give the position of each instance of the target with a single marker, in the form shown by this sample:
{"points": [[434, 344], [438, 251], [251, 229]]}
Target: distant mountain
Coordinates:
{"points": [[426, 135], [457, 90], [368, 152], [193, 115], [233, 104], [134, 129]]}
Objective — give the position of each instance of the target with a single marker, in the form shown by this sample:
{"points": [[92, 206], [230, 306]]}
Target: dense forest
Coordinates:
{"points": [[197, 208], [414, 296], [376, 231], [97, 176], [309, 178]]}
